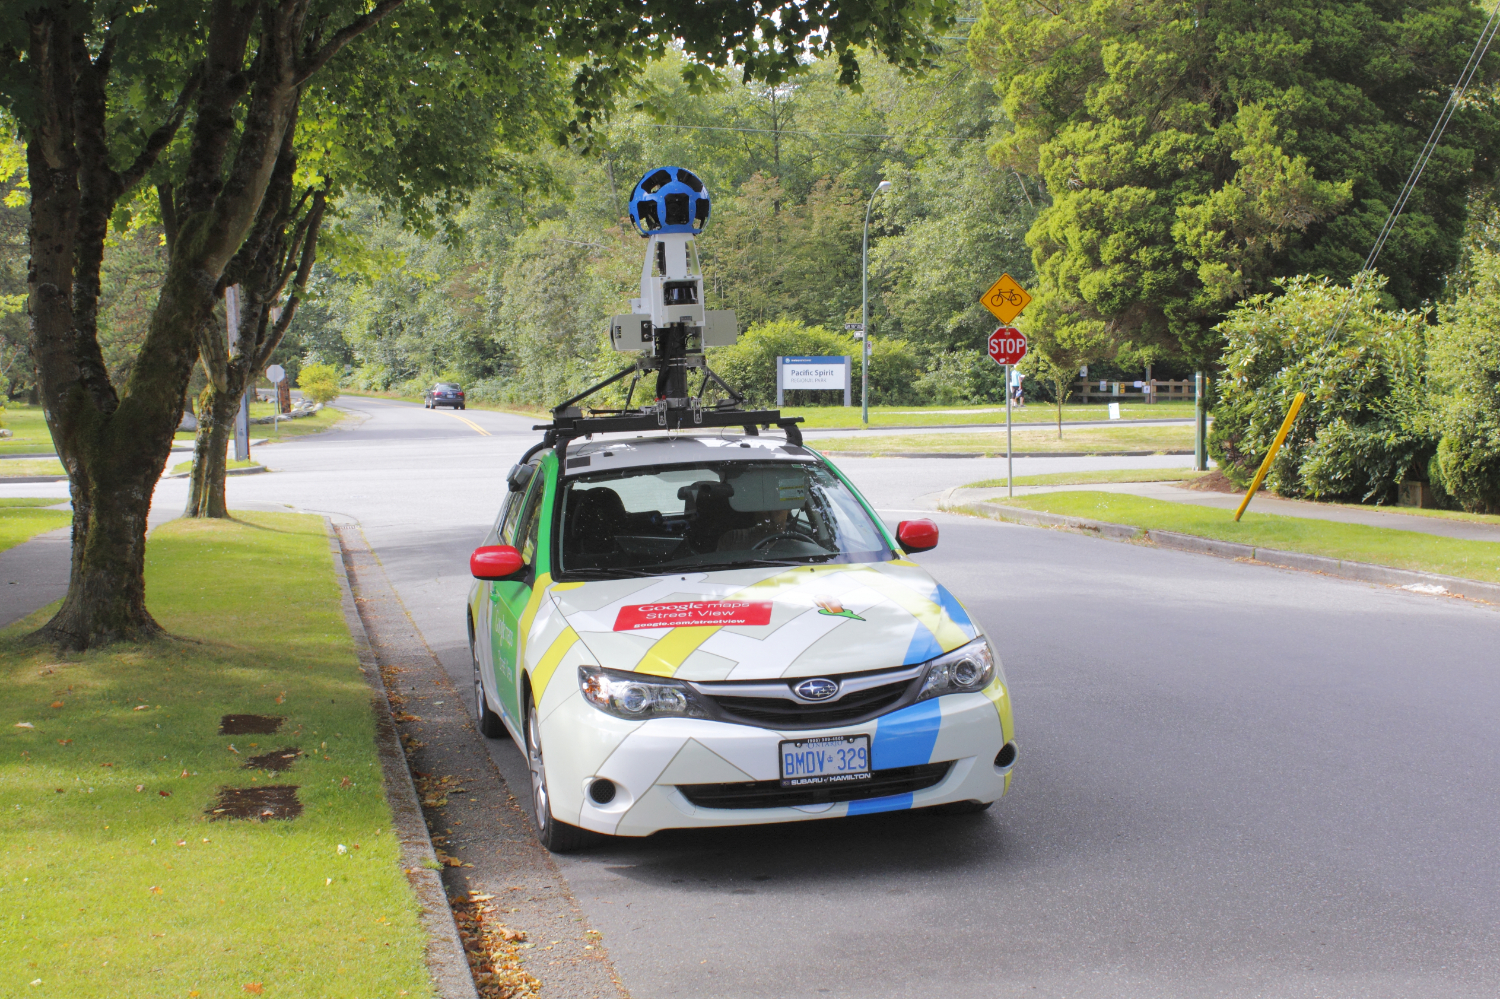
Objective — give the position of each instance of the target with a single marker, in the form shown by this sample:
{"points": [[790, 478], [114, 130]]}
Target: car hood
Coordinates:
{"points": [[747, 624]]}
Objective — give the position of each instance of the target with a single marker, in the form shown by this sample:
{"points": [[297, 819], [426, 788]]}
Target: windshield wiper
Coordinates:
{"points": [[611, 573]]}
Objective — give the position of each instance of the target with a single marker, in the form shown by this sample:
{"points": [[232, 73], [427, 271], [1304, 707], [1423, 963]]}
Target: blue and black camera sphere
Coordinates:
{"points": [[669, 199]]}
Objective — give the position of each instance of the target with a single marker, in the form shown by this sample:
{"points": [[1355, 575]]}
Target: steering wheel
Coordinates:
{"points": [[780, 535]]}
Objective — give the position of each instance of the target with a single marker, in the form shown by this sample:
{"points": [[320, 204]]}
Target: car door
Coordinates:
{"points": [[508, 598]]}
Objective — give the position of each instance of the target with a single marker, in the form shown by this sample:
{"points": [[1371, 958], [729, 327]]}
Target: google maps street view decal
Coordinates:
{"points": [[686, 623], [694, 612]]}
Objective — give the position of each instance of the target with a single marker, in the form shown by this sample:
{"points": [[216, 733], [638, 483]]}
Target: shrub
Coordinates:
{"points": [[1366, 424], [319, 382], [1466, 370], [960, 378], [750, 365]]}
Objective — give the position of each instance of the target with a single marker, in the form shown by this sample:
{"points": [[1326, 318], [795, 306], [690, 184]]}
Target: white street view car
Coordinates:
{"points": [[693, 631]]}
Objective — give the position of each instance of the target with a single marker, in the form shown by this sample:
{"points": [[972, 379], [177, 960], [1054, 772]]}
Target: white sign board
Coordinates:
{"points": [[813, 373], [1114, 411], [276, 373]]}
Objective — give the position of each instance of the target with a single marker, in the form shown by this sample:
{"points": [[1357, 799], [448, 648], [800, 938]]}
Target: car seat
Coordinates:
{"points": [[597, 516]]}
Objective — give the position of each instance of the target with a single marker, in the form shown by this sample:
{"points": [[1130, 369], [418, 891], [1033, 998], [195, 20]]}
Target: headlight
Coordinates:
{"points": [[637, 697], [964, 670]]}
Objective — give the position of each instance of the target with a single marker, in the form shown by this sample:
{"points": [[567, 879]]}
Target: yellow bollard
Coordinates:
{"points": [[1265, 466]]}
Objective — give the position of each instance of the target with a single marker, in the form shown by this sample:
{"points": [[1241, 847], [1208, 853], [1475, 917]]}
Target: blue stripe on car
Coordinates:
{"points": [[905, 738], [955, 611], [890, 803], [924, 645]]}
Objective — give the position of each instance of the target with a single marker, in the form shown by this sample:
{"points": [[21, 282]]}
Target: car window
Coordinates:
{"points": [[515, 503], [527, 531], [716, 514]]}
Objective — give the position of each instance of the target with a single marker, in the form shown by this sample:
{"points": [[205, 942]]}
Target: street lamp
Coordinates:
{"points": [[864, 308]]}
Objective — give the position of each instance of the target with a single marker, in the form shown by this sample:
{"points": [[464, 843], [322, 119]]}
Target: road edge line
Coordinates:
{"points": [[447, 964], [1364, 572]]}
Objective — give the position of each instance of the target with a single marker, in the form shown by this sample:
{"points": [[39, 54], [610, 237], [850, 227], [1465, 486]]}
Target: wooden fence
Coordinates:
{"points": [[1154, 390]]}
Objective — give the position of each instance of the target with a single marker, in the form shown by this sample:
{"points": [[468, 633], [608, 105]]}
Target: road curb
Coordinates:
{"points": [[1364, 572], [446, 961]]}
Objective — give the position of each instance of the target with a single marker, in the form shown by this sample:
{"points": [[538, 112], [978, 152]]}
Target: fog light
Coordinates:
{"points": [[1007, 756], [602, 791]]}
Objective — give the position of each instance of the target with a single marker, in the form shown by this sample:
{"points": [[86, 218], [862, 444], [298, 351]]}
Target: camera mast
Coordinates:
{"points": [[669, 327]]}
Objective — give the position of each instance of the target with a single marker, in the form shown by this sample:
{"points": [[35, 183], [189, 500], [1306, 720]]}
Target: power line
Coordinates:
{"points": [[1455, 98]]}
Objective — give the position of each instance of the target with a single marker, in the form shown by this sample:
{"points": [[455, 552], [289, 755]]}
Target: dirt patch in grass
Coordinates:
{"points": [[1212, 482], [281, 759], [274, 801], [249, 724]]}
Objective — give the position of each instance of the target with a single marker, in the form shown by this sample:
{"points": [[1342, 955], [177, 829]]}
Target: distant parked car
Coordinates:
{"points": [[444, 394]]}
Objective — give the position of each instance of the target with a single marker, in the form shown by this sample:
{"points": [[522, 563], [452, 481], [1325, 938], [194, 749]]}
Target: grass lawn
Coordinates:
{"points": [[1473, 518], [185, 466], [1102, 475], [11, 468], [29, 428], [115, 881], [20, 520], [1092, 440], [324, 419], [1355, 542]]}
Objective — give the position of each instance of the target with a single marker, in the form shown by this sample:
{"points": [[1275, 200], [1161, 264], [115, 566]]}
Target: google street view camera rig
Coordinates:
{"points": [[669, 326]]}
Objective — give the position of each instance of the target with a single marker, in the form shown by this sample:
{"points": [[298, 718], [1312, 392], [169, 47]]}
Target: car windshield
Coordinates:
{"points": [[444, 385], [715, 515]]}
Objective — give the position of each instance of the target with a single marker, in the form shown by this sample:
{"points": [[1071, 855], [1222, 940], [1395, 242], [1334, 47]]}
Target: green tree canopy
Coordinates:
{"points": [[1194, 152]]}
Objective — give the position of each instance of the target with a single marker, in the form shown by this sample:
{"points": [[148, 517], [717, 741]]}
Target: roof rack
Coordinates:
{"points": [[667, 413]]}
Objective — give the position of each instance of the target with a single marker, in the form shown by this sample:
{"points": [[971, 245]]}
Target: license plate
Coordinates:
{"points": [[826, 760]]}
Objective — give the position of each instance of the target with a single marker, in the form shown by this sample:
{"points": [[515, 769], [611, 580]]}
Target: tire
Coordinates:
{"points": [[559, 837], [463, 407], [426, 403], [489, 724]]}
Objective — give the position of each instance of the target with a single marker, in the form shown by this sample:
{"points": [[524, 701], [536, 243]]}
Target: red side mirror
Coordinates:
{"points": [[495, 562], [916, 536]]}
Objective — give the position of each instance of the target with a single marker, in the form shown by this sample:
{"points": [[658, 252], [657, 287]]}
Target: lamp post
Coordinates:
{"points": [[864, 308]]}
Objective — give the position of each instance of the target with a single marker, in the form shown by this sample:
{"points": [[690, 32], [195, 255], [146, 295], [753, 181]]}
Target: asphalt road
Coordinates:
{"points": [[1234, 780]]}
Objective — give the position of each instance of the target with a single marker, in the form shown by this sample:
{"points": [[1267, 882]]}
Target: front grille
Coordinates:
{"points": [[770, 793], [779, 712]]}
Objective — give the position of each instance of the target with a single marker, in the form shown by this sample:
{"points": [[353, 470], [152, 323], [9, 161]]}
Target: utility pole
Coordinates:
{"points": [[1200, 424], [864, 309]]}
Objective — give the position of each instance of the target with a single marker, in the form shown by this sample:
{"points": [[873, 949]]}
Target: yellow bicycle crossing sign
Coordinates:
{"points": [[1006, 298]]}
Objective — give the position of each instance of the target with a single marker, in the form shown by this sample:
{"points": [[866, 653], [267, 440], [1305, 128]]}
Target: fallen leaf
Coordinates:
{"points": [[183, 774], [343, 849], [57, 704], [476, 897], [140, 707], [165, 794], [512, 936], [233, 750], [345, 783], [154, 890], [64, 742], [59, 790], [106, 764], [281, 697], [254, 988], [140, 787], [26, 725]]}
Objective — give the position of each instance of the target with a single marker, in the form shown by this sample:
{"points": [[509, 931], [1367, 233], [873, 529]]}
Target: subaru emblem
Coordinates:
{"points": [[818, 689]]}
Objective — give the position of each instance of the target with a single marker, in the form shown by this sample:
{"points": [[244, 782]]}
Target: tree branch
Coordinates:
{"points": [[314, 222], [162, 137], [343, 37]]}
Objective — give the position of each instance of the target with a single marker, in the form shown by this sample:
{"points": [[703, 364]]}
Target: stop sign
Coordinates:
{"points": [[1007, 345]]}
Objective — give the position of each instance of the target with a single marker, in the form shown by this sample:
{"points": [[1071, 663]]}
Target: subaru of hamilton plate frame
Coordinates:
{"points": [[690, 631]]}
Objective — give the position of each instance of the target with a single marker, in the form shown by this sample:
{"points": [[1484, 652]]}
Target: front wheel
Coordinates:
{"points": [[489, 724], [559, 837]]}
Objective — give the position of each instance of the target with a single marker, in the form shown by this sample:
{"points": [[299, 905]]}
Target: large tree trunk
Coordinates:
{"points": [[217, 410]]}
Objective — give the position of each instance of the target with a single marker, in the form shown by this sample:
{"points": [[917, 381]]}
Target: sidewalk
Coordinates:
{"points": [[33, 574], [1264, 502]]}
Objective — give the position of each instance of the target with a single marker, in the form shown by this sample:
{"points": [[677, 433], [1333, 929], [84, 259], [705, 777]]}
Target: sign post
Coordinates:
{"points": [[1007, 345], [277, 374]]}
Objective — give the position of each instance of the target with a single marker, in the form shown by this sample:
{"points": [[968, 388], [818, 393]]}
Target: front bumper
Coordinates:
{"points": [[651, 762]]}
